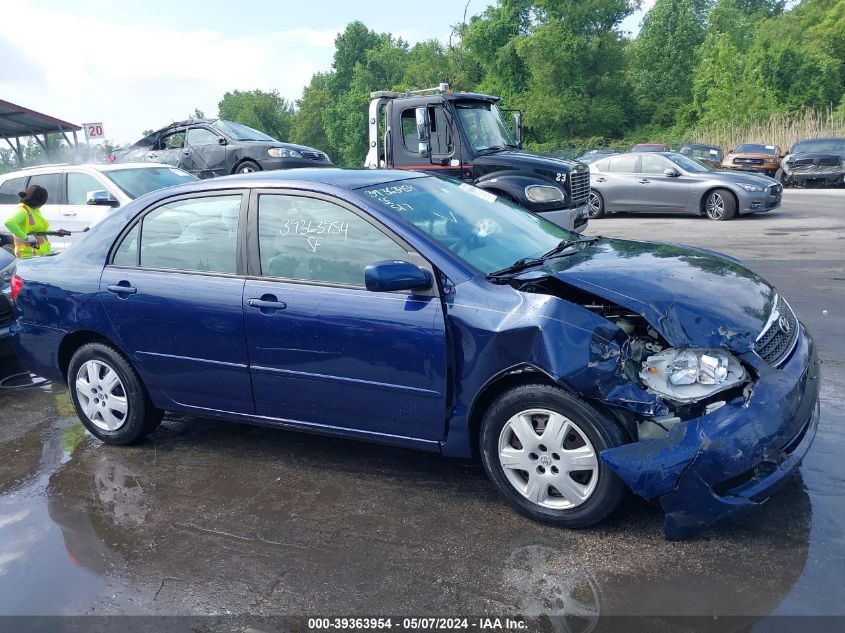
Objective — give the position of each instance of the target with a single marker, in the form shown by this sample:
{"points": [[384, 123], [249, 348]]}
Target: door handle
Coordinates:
{"points": [[121, 290], [69, 214], [186, 152], [601, 179], [644, 181], [264, 304]]}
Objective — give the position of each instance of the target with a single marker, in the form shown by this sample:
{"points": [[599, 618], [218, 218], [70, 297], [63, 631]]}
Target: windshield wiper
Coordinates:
{"points": [[530, 262], [492, 148]]}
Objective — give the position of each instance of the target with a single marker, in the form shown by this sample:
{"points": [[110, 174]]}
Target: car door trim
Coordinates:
{"points": [[203, 361], [304, 375]]}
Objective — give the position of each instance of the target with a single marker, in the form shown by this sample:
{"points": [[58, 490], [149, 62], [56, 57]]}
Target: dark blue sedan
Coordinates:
{"points": [[418, 311]]}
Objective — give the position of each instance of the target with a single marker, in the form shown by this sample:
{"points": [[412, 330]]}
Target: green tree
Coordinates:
{"points": [[663, 58], [308, 124], [264, 111]]}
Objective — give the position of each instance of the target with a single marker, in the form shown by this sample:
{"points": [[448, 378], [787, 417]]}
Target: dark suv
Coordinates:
{"points": [[817, 161], [216, 147]]}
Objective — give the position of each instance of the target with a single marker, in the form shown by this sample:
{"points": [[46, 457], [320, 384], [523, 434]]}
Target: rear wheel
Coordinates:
{"points": [[595, 205], [720, 205], [247, 167], [540, 446], [109, 397]]}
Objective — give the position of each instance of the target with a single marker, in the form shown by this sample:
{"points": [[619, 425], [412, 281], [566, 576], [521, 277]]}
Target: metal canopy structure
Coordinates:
{"points": [[17, 122]]}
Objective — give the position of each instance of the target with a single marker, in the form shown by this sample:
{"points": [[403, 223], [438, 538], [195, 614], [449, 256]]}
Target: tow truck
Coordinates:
{"points": [[462, 135]]}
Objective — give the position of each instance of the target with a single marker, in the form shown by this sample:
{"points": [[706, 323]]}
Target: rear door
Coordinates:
{"points": [[53, 210], [324, 350], [168, 148], [617, 182], [173, 293], [658, 192]]}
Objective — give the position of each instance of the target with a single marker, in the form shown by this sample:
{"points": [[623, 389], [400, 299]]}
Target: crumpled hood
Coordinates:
{"points": [[692, 297]]}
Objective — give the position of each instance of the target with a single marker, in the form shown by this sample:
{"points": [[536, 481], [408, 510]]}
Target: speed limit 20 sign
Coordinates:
{"points": [[93, 130]]}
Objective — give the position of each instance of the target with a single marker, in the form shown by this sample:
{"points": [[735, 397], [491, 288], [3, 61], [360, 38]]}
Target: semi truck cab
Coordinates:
{"points": [[462, 135]]}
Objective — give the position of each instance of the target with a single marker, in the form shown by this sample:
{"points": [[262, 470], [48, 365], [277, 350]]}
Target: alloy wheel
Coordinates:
{"points": [[548, 459], [101, 395], [593, 205], [715, 206]]}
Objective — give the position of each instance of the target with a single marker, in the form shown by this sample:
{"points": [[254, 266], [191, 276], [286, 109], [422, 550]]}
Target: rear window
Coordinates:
{"points": [[138, 181], [9, 190], [626, 164]]}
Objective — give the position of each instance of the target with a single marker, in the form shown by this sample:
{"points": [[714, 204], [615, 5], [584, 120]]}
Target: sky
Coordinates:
{"points": [[141, 65]]}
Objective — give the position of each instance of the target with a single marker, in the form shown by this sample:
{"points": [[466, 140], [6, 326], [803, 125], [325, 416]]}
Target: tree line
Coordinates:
{"points": [[579, 80]]}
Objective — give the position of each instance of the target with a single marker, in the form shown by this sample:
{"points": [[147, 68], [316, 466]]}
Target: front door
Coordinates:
{"points": [[168, 148], [658, 192], [77, 214], [202, 153], [173, 295], [324, 350]]}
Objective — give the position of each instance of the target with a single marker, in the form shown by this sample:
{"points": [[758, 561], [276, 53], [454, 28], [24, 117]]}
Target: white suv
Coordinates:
{"points": [[81, 195]]}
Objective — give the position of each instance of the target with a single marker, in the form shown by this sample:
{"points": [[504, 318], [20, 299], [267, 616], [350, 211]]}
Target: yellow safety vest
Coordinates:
{"points": [[35, 223]]}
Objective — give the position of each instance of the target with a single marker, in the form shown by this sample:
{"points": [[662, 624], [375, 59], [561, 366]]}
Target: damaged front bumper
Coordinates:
{"points": [[733, 458]]}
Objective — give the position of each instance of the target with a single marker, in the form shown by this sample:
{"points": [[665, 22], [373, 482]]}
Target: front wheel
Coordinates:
{"points": [[783, 179], [540, 447], [595, 205], [247, 167], [109, 397], [720, 205]]}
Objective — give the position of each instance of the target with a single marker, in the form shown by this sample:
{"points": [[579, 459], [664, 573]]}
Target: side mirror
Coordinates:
{"points": [[222, 141], [672, 173], [424, 132], [101, 198], [517, 128], [391, 275]]}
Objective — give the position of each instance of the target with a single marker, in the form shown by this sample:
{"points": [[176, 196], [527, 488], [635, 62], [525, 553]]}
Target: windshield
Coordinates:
{"points": [[483, 230], [833, 145], [137, 181], [751, 148], [688, 164], [483, 125], [239, 132]]}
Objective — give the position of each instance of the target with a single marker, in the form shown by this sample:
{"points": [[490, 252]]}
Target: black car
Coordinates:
{"points": [[8, 265], [710, 155], [817, 161], [216, 147]]}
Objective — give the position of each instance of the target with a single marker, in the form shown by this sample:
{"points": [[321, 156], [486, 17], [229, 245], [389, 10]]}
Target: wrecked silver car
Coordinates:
{"points": [[818, 161]]}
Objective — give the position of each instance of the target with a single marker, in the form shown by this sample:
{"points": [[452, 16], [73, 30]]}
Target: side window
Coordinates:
{"points": [[409, 130], [78, 186], [441, 132], [623, 164], [198, 234], [653, 164], [174, 140], [127, 252], [9, 190], [315, 240], [51, 182], [200, 136]]}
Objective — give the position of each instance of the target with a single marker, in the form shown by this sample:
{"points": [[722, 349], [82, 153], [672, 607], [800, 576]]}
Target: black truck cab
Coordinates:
{"points": [[462, 135]]}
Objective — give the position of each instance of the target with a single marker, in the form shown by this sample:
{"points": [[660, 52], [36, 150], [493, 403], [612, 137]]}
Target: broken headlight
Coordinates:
{"points": [[283, 152], [688, 375]]}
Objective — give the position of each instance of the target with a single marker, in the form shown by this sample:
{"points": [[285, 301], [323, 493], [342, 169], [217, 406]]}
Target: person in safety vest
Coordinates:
{"points": [[27, 222]]}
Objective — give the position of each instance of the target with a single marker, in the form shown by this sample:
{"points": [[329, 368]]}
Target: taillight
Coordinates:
{"points": [[17, 286], [112, 158]]}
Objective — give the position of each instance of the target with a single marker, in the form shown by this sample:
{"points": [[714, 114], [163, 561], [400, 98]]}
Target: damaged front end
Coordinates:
{"points": [[721, 410]]}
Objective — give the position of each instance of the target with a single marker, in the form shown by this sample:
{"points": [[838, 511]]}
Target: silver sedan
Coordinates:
{"points": [[670, 182]]}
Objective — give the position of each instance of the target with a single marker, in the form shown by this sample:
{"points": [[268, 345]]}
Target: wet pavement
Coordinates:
{"points": [[208, 517]]}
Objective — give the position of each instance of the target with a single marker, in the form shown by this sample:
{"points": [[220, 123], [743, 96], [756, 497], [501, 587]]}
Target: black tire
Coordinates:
{"points": [[246, 167], [607, 491], [719, 204], [141, 417], [596, 205]]}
